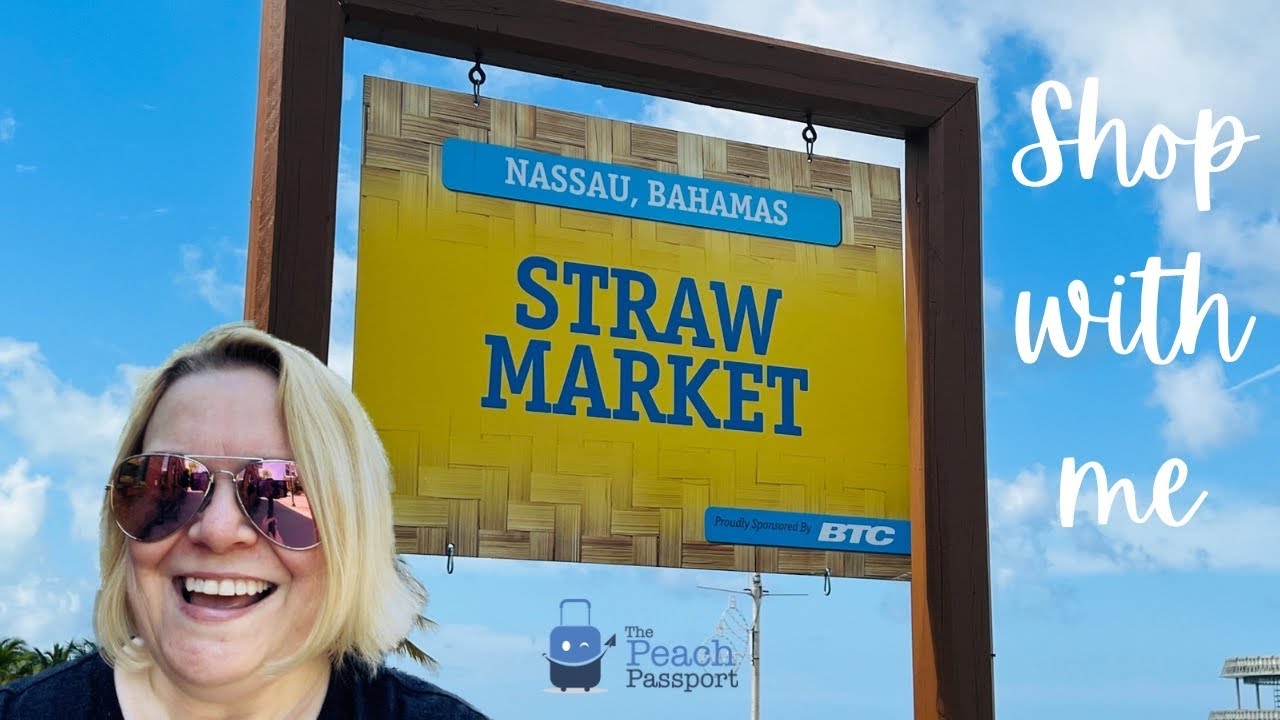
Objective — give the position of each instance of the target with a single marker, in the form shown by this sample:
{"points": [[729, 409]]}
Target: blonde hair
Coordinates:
{"points": [[349, 482]]}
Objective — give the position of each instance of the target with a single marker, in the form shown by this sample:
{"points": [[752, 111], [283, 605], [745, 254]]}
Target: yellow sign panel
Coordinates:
{"points": [[590, 340]]}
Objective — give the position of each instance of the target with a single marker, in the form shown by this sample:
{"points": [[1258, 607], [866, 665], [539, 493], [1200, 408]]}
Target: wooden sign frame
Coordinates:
{"points": [[293, 205]]}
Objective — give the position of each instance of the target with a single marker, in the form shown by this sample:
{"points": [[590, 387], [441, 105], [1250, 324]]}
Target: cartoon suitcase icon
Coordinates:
{"points": [[576, 652]]}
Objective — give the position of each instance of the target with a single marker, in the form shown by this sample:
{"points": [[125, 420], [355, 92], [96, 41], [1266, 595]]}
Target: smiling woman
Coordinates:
{"points": [[250, 495]]}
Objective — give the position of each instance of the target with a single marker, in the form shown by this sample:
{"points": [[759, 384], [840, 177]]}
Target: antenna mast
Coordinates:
{"points": [[757, 594]]}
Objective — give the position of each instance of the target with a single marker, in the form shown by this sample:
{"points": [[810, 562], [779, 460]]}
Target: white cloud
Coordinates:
{"points": [[66, 432], [202, 277], [1224, 535], [348, 211], [342, 313], [344, 276], [1018, 511], [1163, 74], [22, 169], [1239, 238], [8, 126], [453, 74], [404, 68], [907, 33], [53, 418], [770, 131], [1021, 500], [44, 610], [1202, 412], [1186, 59], [341, 358], [342, 304], [477, 654], [22, 508], [1031, 552]]}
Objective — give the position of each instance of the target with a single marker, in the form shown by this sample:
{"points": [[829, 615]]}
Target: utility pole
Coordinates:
{"points": [[757, 598], [757, 594]]}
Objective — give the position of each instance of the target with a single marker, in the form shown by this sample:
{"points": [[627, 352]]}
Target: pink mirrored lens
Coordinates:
{"points": [[274, 497], [154, 495]]}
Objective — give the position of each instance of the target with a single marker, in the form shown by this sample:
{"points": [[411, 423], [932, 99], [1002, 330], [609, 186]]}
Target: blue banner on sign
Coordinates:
{"points": [[807, 531], [545, 179]]}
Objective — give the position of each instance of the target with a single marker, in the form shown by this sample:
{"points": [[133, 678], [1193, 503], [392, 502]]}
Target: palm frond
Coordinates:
{"points": [[415, 653], [18, 659], [421, 623]]}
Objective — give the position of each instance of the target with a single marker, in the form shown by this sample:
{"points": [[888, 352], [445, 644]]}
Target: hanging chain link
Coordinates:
{"points": [[810, 135], [477, 78]]}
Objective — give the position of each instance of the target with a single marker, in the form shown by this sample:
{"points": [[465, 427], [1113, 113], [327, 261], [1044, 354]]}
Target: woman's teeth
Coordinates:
{"points": [[226, 587]]}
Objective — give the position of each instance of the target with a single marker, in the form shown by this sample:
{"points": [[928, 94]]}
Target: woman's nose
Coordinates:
{"points": [[222, 525]]}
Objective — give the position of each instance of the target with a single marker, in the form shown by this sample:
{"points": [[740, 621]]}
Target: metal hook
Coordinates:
{"points": [[448, 551], [809, 134], [826, 581], [477, 78]]}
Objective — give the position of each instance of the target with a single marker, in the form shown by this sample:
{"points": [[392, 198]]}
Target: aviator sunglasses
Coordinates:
{"points": [[156, 494]]}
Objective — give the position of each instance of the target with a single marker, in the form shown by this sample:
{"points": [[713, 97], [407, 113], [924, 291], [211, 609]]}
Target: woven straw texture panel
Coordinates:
{"points": [[503, 487]]}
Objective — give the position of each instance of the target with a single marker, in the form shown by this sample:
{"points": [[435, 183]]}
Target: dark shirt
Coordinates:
{"points": [[85, 689]]}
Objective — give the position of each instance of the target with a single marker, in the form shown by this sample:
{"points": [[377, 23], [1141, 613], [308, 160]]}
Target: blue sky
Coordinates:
{"points": [[125, 158]]}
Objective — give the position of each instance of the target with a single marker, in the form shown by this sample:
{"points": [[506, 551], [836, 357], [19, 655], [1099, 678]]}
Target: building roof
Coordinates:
{"points": [[1258, 668]]}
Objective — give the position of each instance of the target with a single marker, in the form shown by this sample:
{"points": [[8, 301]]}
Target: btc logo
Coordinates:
{"points": [[855, 534]]}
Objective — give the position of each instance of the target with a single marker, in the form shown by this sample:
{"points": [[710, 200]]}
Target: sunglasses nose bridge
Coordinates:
{"points": [[213, 485], [208, 502]]}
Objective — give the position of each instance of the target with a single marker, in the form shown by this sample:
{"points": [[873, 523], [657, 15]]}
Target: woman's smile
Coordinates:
{"points": [[222, 594]]}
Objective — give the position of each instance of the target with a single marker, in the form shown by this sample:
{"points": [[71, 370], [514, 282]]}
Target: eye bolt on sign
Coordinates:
{"points": [[593, 341]]}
